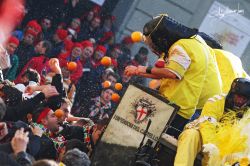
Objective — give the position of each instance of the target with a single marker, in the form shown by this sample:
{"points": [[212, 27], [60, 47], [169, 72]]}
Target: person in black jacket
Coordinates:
{"points": [[38, 9], [90, 31], [60, 134], [58, 44], [25, 50], [47, 28], [50, 96], [8, 130], [18, 112], [53, 100]]}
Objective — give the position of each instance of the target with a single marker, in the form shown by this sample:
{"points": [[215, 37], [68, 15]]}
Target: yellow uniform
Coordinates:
{"points": [[230, 67], [199, 132], [198, 76]]}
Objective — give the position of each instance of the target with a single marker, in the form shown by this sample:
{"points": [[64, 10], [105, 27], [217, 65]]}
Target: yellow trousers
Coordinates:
{"points": [[189, 145]]}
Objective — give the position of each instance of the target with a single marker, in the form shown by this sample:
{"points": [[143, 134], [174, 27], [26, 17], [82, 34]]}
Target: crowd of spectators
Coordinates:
{"points": [[37, 82]]}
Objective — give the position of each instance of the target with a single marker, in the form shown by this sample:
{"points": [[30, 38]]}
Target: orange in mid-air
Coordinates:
{"points": [[59, 113], [106, 84], [71, 66], [115, 97], [136, 36], [106, 61], [118, 86]]}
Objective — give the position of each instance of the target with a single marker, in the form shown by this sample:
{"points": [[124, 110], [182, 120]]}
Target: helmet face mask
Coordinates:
{"points": [[153, 39], [238, 97], [151, 45], [164, 32], [240, 102]]}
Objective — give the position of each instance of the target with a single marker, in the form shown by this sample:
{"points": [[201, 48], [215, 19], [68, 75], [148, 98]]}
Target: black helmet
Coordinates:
{"points": [[210, 41], [240, 86], [165, 31]]}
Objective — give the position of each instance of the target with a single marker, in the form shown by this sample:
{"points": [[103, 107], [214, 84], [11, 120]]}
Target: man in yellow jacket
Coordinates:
{"points": [[202, 131], [186, 66], [229, 65]]}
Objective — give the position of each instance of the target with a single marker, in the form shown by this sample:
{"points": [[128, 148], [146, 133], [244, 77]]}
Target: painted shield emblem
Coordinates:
{"points": [[141, 113], [143, 108]]}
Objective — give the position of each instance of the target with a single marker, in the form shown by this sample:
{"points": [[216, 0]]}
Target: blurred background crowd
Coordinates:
{"points": [[54, 85]]}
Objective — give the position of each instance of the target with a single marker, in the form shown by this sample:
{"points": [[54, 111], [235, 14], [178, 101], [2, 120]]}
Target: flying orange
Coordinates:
{"points": [[106, 84], [106, 61], [136, 36], [59, 113], [118, 86], [115, 97], [71, 66]]}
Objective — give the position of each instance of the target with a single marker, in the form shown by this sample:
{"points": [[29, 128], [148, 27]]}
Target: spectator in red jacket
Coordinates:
{"points": [[68, 46], [33, 25], [58, 43], [75, 56], [88, 50], [100, 51], [40, 62], [36, 27]]}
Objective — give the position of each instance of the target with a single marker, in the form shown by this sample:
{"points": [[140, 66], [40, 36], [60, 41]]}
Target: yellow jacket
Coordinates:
{"points": [[211, 113], [199, 79], [230, 67]]}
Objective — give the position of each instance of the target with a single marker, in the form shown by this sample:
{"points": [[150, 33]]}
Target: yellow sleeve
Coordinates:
{"points": [[212, 112], [175, 68], [207, 130], [178, 60]]}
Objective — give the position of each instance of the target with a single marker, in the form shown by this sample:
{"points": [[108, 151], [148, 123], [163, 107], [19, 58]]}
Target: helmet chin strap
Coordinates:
{"points": [[162, 16]]}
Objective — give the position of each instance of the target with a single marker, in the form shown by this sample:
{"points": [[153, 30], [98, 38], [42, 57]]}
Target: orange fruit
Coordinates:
{"points": [[118, 86], [59, 113], [106, 61], [106, 84], [71, 66], [115, 97], [136, 36], [153, 84]]}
